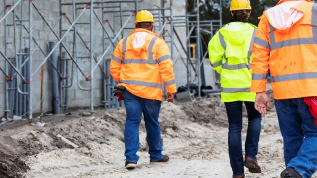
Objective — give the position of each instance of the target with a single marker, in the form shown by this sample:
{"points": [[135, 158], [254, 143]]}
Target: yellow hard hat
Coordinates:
{"points": [[144, 16], [240, 5]]}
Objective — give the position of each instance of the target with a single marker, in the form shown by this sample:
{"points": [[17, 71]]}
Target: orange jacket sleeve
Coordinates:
{"points": [[261, 56], [115, 63], [166, 66]]}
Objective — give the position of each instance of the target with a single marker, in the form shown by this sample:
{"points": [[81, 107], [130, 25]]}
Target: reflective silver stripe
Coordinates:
{"points": [[272, 37], [222, 41], [163, 58], [140, 83], [116, 59], [259, 76], [261, 42], [124, 48], [298, 76], [314, 20], [219, 63], [225, 56], [293, 42], [139, 61], [251, 45], [236, 66], [170, 82], [224, 46], [150, 48], [235, 90]]}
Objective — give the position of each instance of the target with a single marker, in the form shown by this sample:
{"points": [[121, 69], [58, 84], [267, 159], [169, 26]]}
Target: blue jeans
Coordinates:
{"points": [[299, 135], [234, 113], [135, 106]]}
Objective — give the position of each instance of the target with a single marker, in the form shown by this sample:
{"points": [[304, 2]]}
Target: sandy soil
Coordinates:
{"points": [[194, 136]]}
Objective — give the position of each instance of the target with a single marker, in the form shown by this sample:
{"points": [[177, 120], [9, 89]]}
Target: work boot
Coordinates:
{"points": [[239, 176], [252, 165], [130, 165], [163, 160], [290, 173]]}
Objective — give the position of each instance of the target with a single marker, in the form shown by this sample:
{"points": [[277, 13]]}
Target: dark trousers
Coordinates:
{"points": [[135, 107], [299, 135], [234, 113]]}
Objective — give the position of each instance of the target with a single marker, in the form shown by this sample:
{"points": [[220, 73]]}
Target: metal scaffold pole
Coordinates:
{"points": [[172, 29], [30, 58], [17, 91], [87, 34], [220, 13], [198, 50], [116, 11], [91, 56], [7, 110]]}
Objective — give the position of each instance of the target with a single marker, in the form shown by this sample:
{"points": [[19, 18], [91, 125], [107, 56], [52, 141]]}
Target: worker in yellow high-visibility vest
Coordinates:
{"points": [[230, 54]]}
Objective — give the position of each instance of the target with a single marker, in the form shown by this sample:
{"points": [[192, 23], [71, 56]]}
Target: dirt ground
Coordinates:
{"points": [[194, 136]]}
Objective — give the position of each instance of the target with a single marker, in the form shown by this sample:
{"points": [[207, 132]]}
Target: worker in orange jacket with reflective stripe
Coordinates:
{"points": [[286, 43], [139, 64]]}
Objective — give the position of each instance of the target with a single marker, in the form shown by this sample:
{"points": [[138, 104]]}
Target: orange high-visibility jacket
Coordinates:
{"points": [[286, 43], [140, 62]]}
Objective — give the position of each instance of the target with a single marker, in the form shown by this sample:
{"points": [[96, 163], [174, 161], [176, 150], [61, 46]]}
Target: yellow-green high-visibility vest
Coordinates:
{"points": [[230, 54]]}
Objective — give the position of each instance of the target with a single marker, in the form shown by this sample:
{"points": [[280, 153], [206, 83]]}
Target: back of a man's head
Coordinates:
{"points": [[145, 25]]}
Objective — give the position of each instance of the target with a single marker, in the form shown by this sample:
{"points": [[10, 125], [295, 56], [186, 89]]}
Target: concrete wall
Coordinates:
{"points": [[50, 10]]}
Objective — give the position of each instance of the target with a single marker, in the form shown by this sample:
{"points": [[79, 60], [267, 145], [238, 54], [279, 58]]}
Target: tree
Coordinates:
{"points": [[209, 9]]}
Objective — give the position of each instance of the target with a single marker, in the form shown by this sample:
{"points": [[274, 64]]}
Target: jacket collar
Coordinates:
{"points": [[144, 30], [281, 1]]}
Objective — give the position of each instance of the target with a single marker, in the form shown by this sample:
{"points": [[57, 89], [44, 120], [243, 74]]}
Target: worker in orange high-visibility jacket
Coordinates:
{"points": [[140, 63], [286, 44]]}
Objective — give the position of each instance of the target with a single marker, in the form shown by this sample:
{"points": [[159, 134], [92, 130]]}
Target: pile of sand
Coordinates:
{"points": [[194, 135]]}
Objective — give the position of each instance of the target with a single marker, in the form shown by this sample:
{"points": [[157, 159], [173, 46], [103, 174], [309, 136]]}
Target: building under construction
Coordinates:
{"points": [[55, 54]]}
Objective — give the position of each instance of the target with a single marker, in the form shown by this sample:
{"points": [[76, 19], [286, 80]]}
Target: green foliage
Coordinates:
{"points": [[209, 9]]}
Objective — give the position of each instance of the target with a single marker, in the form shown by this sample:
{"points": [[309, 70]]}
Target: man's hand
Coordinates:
{"points": [[170, 97], [262, 102]]}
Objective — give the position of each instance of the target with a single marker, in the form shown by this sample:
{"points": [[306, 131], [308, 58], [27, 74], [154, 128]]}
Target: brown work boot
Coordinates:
{"points": [[130, 165], [163, 160], [239, 176], [252, 165]]}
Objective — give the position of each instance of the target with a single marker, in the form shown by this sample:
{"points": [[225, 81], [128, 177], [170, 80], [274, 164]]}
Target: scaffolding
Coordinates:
{"points": [[73, 57]]}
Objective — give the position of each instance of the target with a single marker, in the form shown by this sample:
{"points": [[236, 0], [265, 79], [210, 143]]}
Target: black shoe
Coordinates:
{"points": [[130, 165], [290, 173], [165, 159]]}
